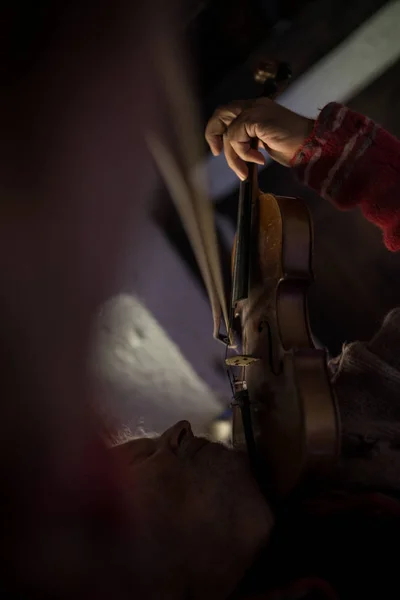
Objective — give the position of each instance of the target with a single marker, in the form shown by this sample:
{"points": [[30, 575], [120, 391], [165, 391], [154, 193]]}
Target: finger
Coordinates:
{"points": [[247, 153], [234, 161], [218, 124], [214, 132], [242, 137]]}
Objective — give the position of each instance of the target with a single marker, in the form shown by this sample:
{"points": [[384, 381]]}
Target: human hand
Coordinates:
{"points": [[279, 130]]}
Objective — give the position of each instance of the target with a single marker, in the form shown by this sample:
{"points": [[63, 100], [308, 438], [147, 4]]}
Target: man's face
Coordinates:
{"points": [[199, 517]]}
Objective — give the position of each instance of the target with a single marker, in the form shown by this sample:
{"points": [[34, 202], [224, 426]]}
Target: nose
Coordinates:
{"points": [[177, 433]]}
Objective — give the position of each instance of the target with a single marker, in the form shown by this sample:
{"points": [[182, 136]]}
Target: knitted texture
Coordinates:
{"points": [[352, 161]]}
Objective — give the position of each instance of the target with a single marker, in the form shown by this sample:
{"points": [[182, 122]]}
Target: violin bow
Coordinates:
{"points": [[185, 180]]}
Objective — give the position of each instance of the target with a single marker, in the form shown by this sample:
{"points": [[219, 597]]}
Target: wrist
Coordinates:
{"points": [[305, 135]]}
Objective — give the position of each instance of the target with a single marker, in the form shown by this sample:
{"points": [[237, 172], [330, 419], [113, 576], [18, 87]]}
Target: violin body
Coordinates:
{"points": [[291, 406]]}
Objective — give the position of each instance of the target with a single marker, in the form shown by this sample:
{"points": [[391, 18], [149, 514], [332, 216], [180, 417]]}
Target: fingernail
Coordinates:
{"points": [[242, 177]]}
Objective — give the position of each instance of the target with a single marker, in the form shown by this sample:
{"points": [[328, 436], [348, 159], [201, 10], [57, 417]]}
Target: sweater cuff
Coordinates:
{"points": [[326, 160]]}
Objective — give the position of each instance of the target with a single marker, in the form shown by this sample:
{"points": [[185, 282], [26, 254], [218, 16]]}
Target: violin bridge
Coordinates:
{"points": [[240, 360]]}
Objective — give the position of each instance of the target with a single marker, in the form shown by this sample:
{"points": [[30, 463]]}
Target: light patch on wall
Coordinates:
{"points": [[145, 380]]}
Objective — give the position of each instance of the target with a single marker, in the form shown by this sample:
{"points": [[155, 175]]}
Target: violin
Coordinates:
{"points": [[284, 409]]}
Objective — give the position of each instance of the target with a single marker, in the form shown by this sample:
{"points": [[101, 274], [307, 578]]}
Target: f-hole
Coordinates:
{"points": [[262, 326]]}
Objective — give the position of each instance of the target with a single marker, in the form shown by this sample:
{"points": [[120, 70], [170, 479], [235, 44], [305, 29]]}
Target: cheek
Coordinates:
{"points": [[158, 492], [156, 501]]}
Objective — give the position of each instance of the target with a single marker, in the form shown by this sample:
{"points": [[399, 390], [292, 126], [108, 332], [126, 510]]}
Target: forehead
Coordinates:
{"points": [[135, 449]]}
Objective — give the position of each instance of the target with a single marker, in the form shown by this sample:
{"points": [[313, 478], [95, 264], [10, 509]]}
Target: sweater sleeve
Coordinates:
{"points": [[352, 161]]}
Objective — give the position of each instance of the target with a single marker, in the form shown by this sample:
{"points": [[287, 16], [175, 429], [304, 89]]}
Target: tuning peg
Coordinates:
{"points": [[270, 74]]}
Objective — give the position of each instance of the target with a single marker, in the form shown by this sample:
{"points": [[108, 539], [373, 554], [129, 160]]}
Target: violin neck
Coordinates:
{"points": [[241, 269], [271, 76]]}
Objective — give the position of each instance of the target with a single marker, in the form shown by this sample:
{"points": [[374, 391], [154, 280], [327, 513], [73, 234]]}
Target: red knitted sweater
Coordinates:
{"points": [[352, 161]]}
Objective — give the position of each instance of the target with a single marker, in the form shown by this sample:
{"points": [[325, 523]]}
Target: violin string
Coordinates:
{"points": [[230, 338], [228, 372]]}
